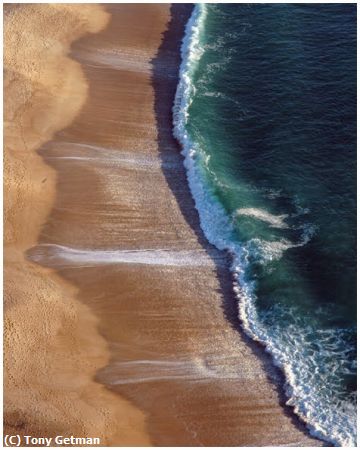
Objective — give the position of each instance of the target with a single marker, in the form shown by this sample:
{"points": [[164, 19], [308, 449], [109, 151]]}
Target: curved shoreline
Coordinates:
{"points": [[172, 352], [217, 229], [52, 348]]}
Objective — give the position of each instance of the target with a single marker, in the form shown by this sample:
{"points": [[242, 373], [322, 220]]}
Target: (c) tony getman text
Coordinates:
{"points": [[17, 440]]}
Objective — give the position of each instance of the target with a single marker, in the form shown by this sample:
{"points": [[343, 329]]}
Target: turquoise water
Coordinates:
{"points": [[266, 114]]}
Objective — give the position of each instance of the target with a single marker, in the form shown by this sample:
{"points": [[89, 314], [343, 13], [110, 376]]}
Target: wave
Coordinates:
{"points": [[292, 345]]}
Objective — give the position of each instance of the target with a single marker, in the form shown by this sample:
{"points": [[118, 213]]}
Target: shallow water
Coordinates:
{"points": [[266, 114]]}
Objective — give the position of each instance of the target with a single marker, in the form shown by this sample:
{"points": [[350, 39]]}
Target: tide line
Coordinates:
{"points": [[110, 156], [194, 369], [59, 255]]}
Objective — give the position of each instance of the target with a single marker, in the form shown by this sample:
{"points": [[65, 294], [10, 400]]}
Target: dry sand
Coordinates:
{"points": [[52, 346], [122, 285]]}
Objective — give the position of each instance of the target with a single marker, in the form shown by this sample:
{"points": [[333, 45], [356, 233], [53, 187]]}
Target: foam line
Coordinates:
{"points": [[108, 156], [197, 370], [58, 254], [124, 60], [335, 423], [260, 214]]}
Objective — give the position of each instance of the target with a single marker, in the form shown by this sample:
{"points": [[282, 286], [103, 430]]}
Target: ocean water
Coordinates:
{"points": [[265, 111]]}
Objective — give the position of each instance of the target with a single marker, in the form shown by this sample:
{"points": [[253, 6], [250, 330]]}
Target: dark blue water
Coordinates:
{"points": [[266, 113]]}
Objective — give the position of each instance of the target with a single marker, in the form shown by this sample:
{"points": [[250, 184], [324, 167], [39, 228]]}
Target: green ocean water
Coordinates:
{"points": [[267, 119]]}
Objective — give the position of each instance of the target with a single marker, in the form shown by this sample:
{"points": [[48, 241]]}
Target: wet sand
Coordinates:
{"points": [[147, 304]]}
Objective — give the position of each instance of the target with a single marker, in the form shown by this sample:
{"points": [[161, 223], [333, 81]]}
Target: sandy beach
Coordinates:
{"points": [[120, 321]]}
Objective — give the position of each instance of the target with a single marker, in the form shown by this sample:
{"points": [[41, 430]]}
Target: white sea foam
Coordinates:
{"points": [[131, 59], [199, 369], [68, 256], [290, 347], [260, 214], [111, 156]]}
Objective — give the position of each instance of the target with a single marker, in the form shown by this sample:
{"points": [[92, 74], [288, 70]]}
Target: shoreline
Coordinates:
{"points": [[121, 189], [217, 227]]}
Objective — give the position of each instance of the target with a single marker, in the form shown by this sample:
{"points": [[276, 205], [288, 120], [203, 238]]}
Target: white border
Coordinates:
{"points": [[146, 1]]}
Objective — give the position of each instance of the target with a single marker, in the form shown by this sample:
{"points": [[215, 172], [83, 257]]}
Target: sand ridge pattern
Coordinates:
{"points": [[170, 339], [52, 346]]}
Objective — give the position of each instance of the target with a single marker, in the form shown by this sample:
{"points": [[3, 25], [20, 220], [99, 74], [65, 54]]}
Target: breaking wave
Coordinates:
{"points": [[303, 350]]}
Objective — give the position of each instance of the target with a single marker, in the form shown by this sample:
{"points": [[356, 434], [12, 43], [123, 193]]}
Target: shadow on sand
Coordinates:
{"points": [[165, 71], [148, 397]]}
